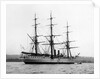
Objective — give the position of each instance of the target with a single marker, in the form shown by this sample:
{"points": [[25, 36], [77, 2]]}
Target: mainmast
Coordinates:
{"points": [[51, 36], [51, 41]]}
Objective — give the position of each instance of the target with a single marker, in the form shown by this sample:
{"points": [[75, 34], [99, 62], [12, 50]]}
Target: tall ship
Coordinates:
{"points": [[55, 56]]}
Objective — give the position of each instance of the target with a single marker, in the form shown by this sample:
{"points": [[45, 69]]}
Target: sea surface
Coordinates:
{"points": [[21, 68]]}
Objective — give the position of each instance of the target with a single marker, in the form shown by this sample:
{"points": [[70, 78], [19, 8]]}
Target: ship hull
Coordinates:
{"points": [[47, 60]]}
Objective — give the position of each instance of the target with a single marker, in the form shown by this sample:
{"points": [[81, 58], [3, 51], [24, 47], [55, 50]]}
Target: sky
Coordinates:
{"points": [[19, 21]]}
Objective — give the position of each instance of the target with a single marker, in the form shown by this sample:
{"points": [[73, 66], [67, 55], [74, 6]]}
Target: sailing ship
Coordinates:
{"points": [[55, 57]]}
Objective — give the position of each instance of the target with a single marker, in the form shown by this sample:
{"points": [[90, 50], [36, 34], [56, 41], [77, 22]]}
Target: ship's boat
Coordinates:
{"points": [[55, 57]]}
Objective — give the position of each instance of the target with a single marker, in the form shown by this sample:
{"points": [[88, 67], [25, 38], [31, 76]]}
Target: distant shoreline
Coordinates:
{"points": [[16, 58]]}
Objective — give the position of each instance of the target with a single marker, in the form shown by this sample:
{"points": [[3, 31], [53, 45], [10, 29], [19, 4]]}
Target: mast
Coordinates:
{"points": [[69, 55], [51, 36], [51, 41], [67, 45], [36, 40]]}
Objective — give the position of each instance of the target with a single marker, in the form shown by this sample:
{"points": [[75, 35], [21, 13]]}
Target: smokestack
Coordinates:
{"points": [[54, 52], [58, 52]]}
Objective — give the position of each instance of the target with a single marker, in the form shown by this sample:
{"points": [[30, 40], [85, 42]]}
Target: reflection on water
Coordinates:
{"points": [[21, 68]]}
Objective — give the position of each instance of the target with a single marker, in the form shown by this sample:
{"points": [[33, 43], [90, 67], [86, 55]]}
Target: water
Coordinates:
{"points": [[21, 68]]}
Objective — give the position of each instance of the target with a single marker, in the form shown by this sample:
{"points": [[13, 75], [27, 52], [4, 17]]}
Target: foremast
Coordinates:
{"points": [[36, 40]]}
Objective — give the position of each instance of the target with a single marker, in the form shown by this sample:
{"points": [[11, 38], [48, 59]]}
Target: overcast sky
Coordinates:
{"points": [[79, 16]]}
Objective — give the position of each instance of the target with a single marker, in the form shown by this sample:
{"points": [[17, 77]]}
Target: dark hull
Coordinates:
{"points": [[47, 60]]}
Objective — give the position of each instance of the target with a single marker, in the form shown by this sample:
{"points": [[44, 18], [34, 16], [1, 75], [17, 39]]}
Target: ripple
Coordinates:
{"points": [[20, 68]]}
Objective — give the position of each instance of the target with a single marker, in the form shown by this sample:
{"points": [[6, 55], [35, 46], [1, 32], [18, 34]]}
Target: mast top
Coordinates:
{"points": [[35, 18], [51, 15], [67, 24]]}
